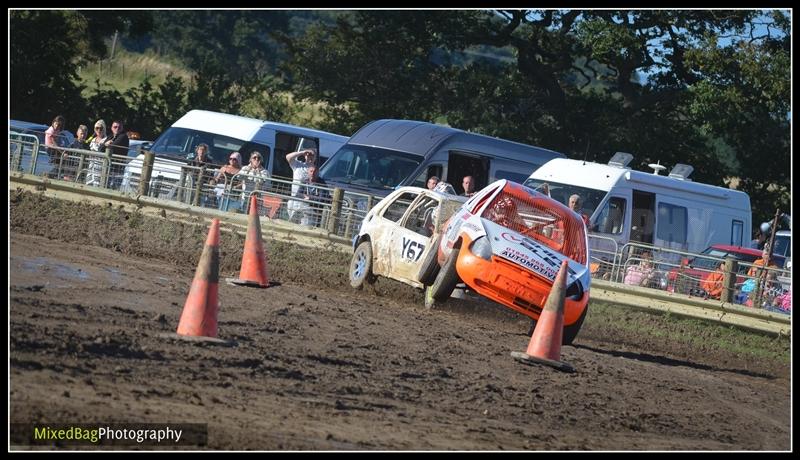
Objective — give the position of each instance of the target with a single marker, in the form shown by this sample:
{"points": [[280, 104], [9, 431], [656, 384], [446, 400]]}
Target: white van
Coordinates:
{"points": [[224, 133], [632, 206]]}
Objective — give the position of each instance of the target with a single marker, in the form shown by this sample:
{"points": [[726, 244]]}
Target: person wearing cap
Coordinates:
{"points": [[225, 176], [301, 174]]}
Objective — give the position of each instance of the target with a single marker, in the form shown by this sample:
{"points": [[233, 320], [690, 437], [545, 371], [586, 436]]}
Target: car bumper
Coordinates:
{"points": [[513, 286]]}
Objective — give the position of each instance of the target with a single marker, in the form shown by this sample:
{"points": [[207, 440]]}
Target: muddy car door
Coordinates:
{"points": [[411, 240]]}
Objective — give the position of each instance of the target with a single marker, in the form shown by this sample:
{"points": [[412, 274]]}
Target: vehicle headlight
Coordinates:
{"points": [[482, 248]]}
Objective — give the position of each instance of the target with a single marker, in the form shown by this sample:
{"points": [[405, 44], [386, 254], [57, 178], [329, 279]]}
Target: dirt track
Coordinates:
{"points": [[315, 366]]}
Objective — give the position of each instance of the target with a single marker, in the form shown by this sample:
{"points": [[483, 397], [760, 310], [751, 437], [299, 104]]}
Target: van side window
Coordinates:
{"points": [[431, 170], [612, 217], [672, 223], [737, 230], [399, 206]]}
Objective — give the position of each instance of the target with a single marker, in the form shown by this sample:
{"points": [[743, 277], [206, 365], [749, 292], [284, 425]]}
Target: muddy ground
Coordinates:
{"points": [[314, 365]]}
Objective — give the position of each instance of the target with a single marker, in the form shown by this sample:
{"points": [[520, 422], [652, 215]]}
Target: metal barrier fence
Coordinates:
{"points": [[695, 275], [310, 205]]}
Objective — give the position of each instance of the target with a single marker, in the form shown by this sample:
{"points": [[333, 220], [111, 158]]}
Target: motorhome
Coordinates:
{"points": [[224, 133], [667, 211], [386, 154]]}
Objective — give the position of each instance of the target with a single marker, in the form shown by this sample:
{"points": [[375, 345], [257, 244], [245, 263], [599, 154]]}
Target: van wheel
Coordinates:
{"points": [[570, 332], [445, 281], [430, 266], [361, 266]]}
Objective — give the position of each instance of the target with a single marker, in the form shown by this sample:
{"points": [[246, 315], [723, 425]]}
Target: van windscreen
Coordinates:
{"points": [[181, 143], [369, 166], [590, 197]]}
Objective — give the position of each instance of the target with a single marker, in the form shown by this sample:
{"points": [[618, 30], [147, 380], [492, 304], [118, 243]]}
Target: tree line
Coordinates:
{"points": [[707, 88]]}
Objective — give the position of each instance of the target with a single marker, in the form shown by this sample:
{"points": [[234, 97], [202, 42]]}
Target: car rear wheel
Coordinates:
{"points": [[570, 332], [445, 281], [430, 266], [361, 266]]}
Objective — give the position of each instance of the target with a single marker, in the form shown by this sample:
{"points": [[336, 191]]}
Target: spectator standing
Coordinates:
{"points": [[468, 182], [81, 141], [300, 175], [254, 176], [96, 144], [310, 208], [119, 144], [640, 274], [70, 164], [205, 174], [54, 137], [432, 181], [575, 203], [225, 177]]}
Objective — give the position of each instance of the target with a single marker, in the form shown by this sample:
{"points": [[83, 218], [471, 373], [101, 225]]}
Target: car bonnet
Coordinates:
{"points": [[530, 254]]}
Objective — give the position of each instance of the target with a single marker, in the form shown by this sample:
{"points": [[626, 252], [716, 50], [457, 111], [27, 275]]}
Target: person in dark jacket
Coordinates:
{"points": [[119, 144]]}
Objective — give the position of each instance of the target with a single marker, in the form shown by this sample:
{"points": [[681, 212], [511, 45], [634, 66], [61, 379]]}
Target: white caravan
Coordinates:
{"points": [[669, 211]]}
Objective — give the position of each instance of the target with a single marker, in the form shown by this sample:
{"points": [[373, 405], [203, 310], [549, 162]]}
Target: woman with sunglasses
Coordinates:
{"points": [[254, 175], [96, 144]]}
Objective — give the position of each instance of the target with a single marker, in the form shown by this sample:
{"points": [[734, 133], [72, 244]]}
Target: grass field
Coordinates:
{"points": [[128, 70]]}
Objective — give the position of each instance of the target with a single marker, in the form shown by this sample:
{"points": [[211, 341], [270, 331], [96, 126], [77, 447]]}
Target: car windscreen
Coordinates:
{"points": [[783, 245], [369, 166], [181, 143], [590, 198]]}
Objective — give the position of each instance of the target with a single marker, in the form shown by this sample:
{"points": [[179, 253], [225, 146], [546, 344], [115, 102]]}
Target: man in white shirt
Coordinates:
{"points": [[300, 175]]}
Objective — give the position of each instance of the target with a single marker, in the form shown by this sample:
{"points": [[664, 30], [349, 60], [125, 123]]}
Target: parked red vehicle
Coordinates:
{"points": [[687, 280]]}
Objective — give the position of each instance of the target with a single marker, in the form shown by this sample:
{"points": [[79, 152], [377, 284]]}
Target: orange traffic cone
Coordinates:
{"points": [[199, 317], [545, 344], [254, 263]]}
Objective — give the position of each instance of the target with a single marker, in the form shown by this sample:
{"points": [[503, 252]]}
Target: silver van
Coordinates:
{"points": [[386, 154]]}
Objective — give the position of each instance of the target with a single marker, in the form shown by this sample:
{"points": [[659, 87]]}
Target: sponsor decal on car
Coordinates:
{"points": [[526, 261]]}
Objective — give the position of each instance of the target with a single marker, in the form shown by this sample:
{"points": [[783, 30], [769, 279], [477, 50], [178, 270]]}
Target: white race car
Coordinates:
{"points": [[397, 234]]}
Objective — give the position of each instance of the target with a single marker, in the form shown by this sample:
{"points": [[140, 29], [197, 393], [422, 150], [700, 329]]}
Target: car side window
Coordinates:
{"points": [[421, 218], [394, 212]]}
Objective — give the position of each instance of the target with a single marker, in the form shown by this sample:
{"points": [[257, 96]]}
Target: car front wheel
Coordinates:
{"points": [[361, 266], [445, 281]]}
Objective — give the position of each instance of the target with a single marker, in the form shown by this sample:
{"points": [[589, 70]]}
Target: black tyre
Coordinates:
{"points": [[430, 266], [446, 280], [570, 332], [361, 266]]}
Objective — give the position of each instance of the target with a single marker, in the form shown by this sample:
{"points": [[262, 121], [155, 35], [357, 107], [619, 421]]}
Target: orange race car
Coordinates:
{"points": [[507, 243]]}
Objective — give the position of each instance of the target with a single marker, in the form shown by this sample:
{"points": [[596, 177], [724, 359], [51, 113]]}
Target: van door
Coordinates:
{"points": [[460, 164], [287, 143], [643, 217]]}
